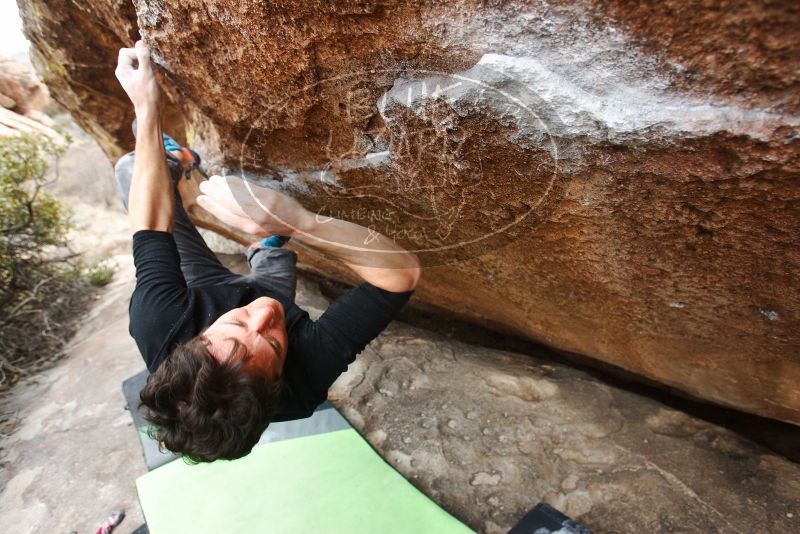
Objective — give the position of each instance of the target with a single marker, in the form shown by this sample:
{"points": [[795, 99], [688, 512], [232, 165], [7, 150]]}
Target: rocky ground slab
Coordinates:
{"points": [[489, 433]]}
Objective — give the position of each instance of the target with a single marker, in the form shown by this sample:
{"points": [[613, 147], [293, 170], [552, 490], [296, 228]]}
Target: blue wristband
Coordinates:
{"points": [[169, 143], [274, 241]]}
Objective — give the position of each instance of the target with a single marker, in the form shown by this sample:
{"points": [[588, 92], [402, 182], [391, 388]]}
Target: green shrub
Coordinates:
{"points": [[100, 273], [43, 284]]}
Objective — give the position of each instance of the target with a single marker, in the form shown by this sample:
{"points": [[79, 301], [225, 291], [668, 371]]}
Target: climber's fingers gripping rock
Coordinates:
{"points": [[135, 74], [257, 210]]}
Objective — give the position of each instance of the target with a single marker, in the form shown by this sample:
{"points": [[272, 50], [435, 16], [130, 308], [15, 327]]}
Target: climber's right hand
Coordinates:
{"points": [[256, 210], [135, 74]]}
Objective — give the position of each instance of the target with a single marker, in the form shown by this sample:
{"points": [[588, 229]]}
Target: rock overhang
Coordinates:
{"points": [[644, 182]]}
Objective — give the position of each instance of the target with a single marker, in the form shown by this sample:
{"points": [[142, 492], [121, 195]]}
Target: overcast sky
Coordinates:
{"points": [[11, 39]]}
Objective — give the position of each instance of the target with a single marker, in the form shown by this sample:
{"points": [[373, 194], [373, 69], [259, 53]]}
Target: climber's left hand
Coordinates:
{"points": [[135, 74]]}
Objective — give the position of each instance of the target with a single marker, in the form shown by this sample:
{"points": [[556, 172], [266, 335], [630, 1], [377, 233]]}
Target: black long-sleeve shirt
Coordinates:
{"points": [[164, 312]]}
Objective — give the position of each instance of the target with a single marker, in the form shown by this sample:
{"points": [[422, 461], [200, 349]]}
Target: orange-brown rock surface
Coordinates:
{"points": [[615, 179]]}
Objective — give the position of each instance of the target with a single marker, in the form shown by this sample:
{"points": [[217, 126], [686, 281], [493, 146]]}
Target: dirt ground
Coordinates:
{"points": [[69, 454], [73, 456]]}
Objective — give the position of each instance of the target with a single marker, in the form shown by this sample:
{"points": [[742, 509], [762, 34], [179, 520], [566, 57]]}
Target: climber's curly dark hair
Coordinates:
{"points": [[206, 409]]}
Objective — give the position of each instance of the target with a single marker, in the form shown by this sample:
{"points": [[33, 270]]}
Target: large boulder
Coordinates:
{"points": [[618, 180]]}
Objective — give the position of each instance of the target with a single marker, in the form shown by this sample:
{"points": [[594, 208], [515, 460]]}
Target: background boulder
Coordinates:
{"points": [[23, 99], [20, 89]]}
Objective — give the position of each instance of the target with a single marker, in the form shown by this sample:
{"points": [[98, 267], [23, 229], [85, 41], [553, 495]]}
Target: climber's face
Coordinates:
{"points": [[256, 331]]}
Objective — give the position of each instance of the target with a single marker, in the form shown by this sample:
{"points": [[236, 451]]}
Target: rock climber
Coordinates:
{"points": [[228, 353]]}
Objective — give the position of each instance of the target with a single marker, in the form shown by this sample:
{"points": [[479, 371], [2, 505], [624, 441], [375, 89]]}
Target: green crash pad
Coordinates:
{"points": [[325, 483]]}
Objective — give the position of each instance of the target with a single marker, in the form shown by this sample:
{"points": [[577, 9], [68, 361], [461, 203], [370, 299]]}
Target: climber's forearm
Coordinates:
{"points": [[263, 211], [151, 203], [373, 256]]}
